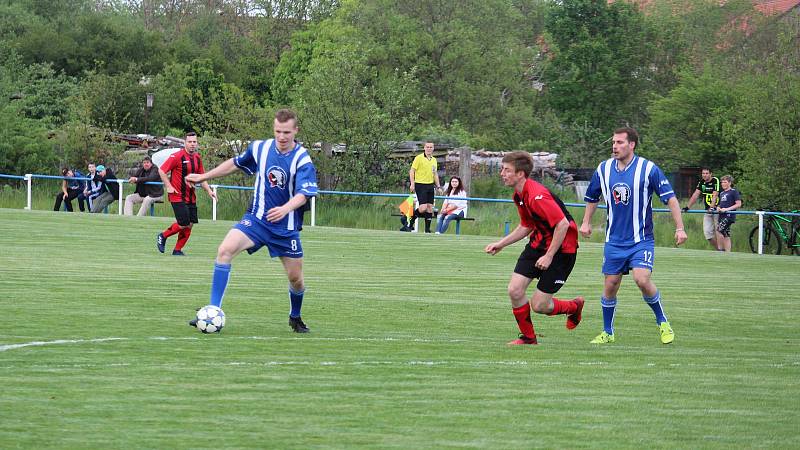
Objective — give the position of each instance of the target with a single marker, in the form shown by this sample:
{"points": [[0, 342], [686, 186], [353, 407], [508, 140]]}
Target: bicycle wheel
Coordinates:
{"points": [[794, 243], [771, 241]]}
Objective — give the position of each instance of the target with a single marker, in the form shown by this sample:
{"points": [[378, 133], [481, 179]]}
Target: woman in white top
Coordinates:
{"points": [[452, 208]]}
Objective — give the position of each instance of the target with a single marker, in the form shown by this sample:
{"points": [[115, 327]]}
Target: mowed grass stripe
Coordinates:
{"points": [[406, 350]]}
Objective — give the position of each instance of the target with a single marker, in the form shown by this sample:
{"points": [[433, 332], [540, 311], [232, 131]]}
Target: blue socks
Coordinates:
{"points": [[655, 305], [296, 299], [219, 282], [609, 308]]}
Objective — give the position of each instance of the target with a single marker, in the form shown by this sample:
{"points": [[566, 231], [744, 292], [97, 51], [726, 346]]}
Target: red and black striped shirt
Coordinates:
{"points": [[178, 165], [542, 210]]}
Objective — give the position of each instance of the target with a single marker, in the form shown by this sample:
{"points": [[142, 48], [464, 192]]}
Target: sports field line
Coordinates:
{"points": [[7, 347], [377, 363], [56, 342]]}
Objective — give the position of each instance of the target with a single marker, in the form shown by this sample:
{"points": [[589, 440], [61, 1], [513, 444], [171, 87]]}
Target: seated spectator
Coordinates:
{"points": [[109, 189], [92, 189], [70, 190], [452, 208], [146, 194]]}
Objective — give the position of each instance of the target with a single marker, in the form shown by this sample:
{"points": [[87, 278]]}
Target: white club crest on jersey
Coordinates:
{"points": [[277, 177], [621, 193]]}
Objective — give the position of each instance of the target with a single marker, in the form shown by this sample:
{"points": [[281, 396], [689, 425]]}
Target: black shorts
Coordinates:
{"points": [[724, 226], [550, 280], [424, 193], [185, 213]]}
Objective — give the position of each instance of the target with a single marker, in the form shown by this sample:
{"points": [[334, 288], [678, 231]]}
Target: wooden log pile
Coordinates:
{"points": [[487, 163]]}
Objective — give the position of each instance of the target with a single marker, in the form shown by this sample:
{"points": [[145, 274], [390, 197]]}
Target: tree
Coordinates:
{"points": [[82, 40], [113, 102], [209, 102], [469, 57], [344, 100], [23, 144], [766, 127], [687, 126], [293, 66], [602, 64]]}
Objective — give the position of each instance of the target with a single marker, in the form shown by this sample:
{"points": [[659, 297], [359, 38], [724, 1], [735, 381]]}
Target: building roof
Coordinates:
{"points": [[766, 7], [773, 7]]}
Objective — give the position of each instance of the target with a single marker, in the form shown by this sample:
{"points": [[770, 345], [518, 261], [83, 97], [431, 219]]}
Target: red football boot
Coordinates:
{"points": [[523, 340], [575, 318]]}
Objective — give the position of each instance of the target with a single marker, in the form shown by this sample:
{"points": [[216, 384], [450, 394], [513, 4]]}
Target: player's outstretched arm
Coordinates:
{"points": [[226, 168], [586, 225], [675, 210], [518, 233]]}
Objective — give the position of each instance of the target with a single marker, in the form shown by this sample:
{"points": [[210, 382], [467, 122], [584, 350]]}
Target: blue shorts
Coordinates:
{"points": [[618, 259], [258, 232]]}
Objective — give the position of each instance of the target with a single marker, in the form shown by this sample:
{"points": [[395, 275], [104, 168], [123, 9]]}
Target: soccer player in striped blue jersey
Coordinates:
{"points": [[285, 180], [627, 182]]}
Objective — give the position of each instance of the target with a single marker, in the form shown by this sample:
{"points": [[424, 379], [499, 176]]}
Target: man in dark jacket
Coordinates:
{"points": [[146, 193], [71, 188], [109, 189]]}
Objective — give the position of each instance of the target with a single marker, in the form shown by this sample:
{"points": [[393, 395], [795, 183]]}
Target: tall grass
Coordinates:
{"points": [[375, 213]]}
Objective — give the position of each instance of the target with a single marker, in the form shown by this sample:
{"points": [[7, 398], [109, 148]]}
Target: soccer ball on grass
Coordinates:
{"points": [[210, 319]]}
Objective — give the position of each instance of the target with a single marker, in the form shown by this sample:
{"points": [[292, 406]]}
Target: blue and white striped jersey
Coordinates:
{"points": [[627, 194], [279, 177]]}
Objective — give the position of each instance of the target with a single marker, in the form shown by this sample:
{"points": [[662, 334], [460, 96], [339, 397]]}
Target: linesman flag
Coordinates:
{"points": [[407, 207]]}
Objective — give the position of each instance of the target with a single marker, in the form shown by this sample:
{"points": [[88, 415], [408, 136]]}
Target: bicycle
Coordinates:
{"points": [[778, 231]]}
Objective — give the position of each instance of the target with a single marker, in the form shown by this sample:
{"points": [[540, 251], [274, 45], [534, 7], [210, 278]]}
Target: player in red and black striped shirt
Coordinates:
{"points": [[550, 254], [181, 193]]}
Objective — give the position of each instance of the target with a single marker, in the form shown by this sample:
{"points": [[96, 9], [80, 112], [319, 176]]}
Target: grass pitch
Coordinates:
{"points": [[407, 348]]}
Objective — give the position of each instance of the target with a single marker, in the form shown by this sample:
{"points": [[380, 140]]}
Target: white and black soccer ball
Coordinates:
{"points": [[210, 319]]}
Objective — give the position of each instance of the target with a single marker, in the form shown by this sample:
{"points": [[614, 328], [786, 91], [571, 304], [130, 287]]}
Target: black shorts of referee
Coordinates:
{"points": [[424, 193]]}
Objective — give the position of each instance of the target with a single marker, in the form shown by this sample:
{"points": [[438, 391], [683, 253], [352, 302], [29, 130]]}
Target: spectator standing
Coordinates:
{"points": [[452, 208], [146, 194], [71, 189], [424, 176], [627, 182], [729, 200], [708, 188], [550, 253], [285, 179], [181, 192], [109, 188]]}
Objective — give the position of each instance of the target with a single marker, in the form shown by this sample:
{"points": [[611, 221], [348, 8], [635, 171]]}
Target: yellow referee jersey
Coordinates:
{"points": [[424, 169]]}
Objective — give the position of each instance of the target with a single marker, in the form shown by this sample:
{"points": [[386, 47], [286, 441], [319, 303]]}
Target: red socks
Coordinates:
{"points": [[563, 307], [173, 229], [183, 236], [523, 316]]}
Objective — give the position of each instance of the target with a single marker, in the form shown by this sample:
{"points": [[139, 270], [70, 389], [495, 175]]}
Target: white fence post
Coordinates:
{"points": [[214, 202], [416, 222], [313, 211], [28, 177], [121, 197], [761, 232]]}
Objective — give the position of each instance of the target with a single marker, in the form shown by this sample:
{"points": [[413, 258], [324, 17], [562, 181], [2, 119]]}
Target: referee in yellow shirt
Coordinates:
{"points": [[424, 177]]}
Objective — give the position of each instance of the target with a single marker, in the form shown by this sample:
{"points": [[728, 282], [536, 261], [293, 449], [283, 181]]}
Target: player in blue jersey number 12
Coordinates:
{"points": [[627, 181], [285, 180]]}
